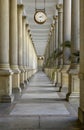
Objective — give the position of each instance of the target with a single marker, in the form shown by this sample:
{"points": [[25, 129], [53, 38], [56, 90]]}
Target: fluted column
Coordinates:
{"points": [[56, 36], [75, 47], [75, 33], [24, 39], [66, 29], [56, 47], [24, 33], [14, 46], [66, 79], [81, 105], [20, 45], [59, 7], [60, 23], [5, 72], [27, 40], [28, 57], [60, 29]]}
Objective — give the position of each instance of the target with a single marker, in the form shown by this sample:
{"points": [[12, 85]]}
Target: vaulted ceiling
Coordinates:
{"points": [[40, 32]]}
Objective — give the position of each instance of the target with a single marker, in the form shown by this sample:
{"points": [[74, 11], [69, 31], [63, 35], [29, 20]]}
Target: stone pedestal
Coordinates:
{"points": [[65, 77], [6, 86], [75, 83], [73, 90], [16, 80]]}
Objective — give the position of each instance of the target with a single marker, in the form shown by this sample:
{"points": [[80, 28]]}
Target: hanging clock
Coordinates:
{"points": [[40, 17]]}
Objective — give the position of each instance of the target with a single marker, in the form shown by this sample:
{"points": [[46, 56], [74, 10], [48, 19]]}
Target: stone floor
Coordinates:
{"points": [[39, 107]]}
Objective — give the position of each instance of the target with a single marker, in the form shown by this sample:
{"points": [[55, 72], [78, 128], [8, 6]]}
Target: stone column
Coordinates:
{"points": [[66, 44], [14, 46], [60, 25], [75, 33], [75, 39], [60, 41], [28, 58], [81, 75], [66, 30], [26, 63], [24, 47], [20, 45], [5, 72], [52, 44], [56, 47]]}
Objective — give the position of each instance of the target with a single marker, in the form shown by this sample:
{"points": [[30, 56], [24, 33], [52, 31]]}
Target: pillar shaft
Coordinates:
{"points": [[66, 29], [4, 34], [60, 28], [56, 36], [75, 33], [20, 44], [13, 33], [67, 20], [81, 109], [20, 9], [60, 24], [27, 40], [66, 48], [24, 40]]}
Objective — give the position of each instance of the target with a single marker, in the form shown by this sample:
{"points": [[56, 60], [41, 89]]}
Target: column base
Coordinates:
{"points": [[7, 99], [25, 77], [72, 97], [56, 84], [81, 115], [16, 90], [60, 88], [6, 86], [22, 85], [16, 82]]}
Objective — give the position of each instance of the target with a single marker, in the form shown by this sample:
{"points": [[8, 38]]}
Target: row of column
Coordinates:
{"points": [[17, 64], [67, 32], [73, 33]]}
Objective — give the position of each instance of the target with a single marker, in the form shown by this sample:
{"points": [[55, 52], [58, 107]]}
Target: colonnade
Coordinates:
{"points": [[18, 58], [64, 54], [68, 71]]}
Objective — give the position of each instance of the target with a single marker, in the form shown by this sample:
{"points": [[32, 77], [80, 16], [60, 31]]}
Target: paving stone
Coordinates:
{"points": [[19, 122], [40, 109], [40, 96]]}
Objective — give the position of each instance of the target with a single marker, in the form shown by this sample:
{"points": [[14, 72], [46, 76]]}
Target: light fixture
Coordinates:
{"points": [[40, 16], [40, 58]]}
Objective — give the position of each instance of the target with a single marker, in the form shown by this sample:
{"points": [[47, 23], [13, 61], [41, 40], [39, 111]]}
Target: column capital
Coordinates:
{"points": [[20, 7], [55, 17], [24, 17], [59, 7], [29, 32], [52, 26], [27, 26]]}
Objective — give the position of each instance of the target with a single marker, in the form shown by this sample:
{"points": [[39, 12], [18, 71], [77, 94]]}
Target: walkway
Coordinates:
{"points": [[39, 107]]}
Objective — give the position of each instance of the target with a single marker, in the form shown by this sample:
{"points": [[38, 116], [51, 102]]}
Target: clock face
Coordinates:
{"points": [[40, 17]]}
